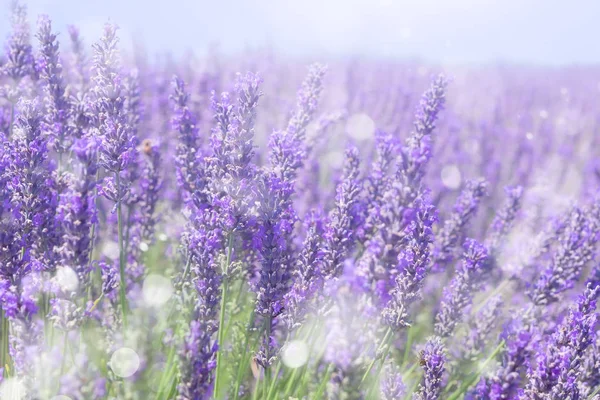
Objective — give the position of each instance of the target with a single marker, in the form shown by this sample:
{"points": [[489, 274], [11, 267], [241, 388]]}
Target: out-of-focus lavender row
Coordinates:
{"points": [[255, 227]]}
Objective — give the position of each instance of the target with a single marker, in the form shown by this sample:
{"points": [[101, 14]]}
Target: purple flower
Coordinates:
{"points": [[576, 246], [150, 187], [558, 362], [392, 387], [460, 293], [287, 147], [504, 219], [433, 359], [453, 231], [118, 143], [52, 74], [308, 278], [413, 264], [340, 231], [20, 61], [189, 164]]}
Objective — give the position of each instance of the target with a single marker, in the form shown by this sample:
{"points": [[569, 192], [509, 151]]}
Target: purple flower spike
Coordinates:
{"points": [[433, 359], [339, 234], [504, 219], [453, 231], [460, 293], [392, 387], [413, 264], [20, 61], [576, 246], [52, 70], [558, 364]]}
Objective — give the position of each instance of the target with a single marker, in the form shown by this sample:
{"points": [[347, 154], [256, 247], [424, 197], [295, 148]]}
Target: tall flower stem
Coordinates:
{"points": [[122, 294], [4, 355], [243, 364], [221, 335]]}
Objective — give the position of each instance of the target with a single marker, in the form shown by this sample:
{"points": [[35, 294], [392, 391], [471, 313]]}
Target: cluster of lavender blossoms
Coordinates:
{"points": [[362, 230]]}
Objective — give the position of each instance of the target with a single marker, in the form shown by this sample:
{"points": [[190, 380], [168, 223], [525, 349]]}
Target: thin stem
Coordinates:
{"points": [[383, 343], [4, 354], [122, 293], [319, 393], [274, 381], [475, 376], [241, 367], [221, 334]]}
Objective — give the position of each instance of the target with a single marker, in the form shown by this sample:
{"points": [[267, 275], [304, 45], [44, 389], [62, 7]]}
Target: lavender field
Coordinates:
{"points": [[267, 227]]}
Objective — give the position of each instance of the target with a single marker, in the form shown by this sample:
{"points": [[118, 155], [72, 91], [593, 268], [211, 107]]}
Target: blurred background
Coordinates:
{"points": [[532, 32]]}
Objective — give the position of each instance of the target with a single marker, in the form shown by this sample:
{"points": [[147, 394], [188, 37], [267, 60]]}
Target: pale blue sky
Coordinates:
{"points": [[554, 32]]}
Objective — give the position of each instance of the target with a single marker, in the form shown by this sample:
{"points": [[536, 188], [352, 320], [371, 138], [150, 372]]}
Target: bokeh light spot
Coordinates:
{"points": [[124, 362], [157, 290], [295, 354], [451, 177], [360, 126]]}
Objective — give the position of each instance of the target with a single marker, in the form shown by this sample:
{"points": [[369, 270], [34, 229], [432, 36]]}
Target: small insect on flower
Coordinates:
{"points": [[422, 360], [147, 146]]}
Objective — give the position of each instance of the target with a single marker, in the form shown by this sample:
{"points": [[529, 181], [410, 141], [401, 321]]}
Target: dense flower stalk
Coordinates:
{"points": [[287, 146], [189, 168], [481, 326], [20, 61], [554, 372], [433, 359], [78, 211], [378, 181], [453, 231], [308, 278], [198, 355], [340, 231], [504, 219], [413, 265], [118, 144], [576, 245], [392, 387], [460, 293], [150, 187], [52, 74]]}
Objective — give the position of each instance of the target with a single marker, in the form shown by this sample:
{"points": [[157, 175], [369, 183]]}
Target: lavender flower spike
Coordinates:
{"points": [[339, 233], [20, 61], [433, 359], [452, 233], [188, 161], [504, 219], [58, 106], [287, 147], [558, 364], [118, 143], [576, 248], [416, 153], [461, 290], [392, 387], [413, 263]]}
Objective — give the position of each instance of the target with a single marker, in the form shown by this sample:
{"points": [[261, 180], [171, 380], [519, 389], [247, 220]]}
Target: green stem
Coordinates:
{"points": [[64, 358], [319, 393], [122, 293], [4, 354], [476, 376], [378, 371], [383, 343], [410, 336], [274, 381], [242, 366], [221, 334]]}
